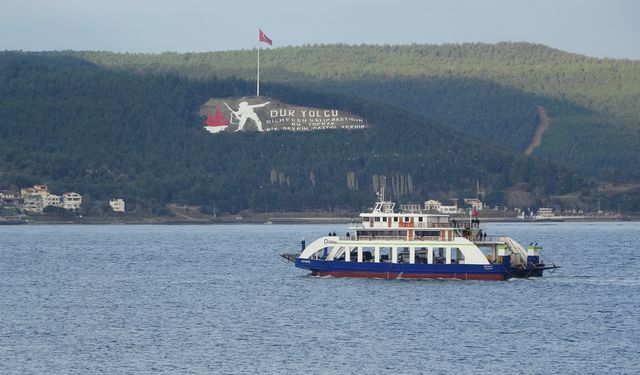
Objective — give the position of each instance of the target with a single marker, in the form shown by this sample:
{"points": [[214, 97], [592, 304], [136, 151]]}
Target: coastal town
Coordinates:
{"points": [[33, 204], [38, 199]]}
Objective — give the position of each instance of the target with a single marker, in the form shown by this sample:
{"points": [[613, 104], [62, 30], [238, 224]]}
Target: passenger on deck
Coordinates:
{"points": [[348, 235]]}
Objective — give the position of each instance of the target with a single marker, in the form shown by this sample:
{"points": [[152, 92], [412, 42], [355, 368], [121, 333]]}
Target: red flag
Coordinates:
{"points": [[475, 213], [264, 38]]}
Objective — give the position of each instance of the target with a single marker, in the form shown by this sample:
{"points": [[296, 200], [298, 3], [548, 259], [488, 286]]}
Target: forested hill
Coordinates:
{"points": [[488, 91], [74, 125]]}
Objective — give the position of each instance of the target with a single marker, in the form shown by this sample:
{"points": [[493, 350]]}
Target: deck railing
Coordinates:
{"points": [[488, 239], [399, 224], [492, 239], [390, 238]]}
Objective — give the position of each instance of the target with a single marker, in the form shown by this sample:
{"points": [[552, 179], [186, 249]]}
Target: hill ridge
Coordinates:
{"points": [[82, 127]]}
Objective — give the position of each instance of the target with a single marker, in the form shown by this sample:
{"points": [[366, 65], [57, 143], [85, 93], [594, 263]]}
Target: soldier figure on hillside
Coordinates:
{"points": [[245, 112]]}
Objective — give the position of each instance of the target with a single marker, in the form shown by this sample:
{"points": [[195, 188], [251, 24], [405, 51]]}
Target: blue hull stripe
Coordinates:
{"points": [[403, 270]]}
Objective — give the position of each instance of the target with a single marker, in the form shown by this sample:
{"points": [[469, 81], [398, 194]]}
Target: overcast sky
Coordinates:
{"points": [[600, 28]]}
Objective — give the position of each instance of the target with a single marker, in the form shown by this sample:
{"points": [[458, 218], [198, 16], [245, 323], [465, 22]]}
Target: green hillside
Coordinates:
{"points": [[77, 126], [488, 91]]}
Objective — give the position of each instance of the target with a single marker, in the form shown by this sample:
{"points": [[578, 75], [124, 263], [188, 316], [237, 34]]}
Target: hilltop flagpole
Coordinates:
{"points": [[261, 38]]}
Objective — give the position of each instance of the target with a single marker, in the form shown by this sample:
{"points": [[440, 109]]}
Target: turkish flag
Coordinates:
{"points": [[264, 38]]}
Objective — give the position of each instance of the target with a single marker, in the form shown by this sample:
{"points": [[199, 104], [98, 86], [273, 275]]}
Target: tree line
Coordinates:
{"points": [[77, 126]]}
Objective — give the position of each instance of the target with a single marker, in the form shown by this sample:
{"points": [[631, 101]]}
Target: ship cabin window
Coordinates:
{"points": [[403, 255], [387, 233], [367, 254], [377, 218], [384, 219], [385, 254], [340, 254], [406, 219], [420, 218], [354, 253], [425, 234], [439, 255], [322, 254], [457, 257], [490, 252], [395, 219], [422, 255]]}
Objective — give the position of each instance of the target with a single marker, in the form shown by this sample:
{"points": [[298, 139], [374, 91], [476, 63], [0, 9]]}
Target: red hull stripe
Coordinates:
{"points": [[396, 275]]}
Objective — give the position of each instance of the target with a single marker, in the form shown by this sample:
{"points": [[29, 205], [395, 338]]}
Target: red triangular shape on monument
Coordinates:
{"points": [[217, 119]]}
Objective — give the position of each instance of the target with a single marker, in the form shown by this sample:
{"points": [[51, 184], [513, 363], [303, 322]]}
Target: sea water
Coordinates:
{"points": [[116, 299]]}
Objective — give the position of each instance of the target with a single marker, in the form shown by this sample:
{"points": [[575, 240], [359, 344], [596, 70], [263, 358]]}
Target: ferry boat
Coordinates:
{"points": [[546, 214], [391, 245]]}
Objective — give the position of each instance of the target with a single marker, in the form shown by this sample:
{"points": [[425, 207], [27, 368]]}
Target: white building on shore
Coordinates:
{"points": [[71, 201], [33, 203], [474, 203], [52, 200], [8, 195], [410, 207], [41, 190], [432, 205], [117, 204], [452, 209]]}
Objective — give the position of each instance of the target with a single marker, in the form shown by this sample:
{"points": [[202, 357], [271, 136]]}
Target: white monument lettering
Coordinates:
{"points": [[288, 117]]}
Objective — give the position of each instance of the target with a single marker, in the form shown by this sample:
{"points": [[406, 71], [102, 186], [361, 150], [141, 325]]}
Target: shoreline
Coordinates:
{"points": [[284, 220]]}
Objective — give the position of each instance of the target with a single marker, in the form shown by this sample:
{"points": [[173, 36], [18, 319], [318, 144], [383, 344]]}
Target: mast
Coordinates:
{"points": [[258, 75]]}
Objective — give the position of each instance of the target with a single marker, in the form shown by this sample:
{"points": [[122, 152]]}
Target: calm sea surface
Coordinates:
{"points": [[118, 299]]}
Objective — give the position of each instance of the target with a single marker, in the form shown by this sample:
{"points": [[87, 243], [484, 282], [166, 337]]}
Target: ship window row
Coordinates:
{"points": [[396, 219], [383, 254], [372, 234]]}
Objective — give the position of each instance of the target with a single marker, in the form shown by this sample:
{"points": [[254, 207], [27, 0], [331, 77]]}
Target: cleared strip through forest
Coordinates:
{"points": [[543, 124]]}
